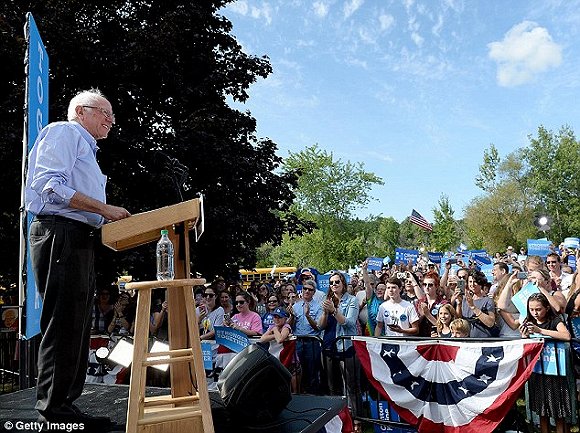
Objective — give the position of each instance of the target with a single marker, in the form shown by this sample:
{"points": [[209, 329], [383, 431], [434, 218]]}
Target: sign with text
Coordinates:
{"points": [[207, 355], [520, 299], [374, 263], [231, 338], [36, 119], [403, 256], [552, 361], [539, 247], [435, 257]]}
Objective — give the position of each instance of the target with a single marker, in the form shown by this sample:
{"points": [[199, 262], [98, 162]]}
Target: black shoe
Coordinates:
{"points": [[94, 418]]}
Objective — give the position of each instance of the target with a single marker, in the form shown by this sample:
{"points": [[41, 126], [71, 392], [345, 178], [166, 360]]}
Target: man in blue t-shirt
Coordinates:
{"points": [[307, 313]]}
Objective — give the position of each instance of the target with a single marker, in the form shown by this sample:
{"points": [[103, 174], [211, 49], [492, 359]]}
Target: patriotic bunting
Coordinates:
{"points": [[446, 386]]}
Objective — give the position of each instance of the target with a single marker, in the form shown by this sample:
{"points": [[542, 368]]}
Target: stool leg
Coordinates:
{"points": [[138, 371], [195, 345]]}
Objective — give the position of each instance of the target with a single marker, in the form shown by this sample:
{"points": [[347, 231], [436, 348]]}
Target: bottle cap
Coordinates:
{"points": [[164, 232]]}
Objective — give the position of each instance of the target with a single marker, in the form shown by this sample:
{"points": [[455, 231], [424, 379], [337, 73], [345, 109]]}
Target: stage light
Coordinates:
{"points": [[543, 222], [122, 352], [158, 346], [101, 354]]}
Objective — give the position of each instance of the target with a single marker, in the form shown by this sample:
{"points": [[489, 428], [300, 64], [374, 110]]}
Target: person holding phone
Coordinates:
{"points": [[209, 314], [549, 395]]}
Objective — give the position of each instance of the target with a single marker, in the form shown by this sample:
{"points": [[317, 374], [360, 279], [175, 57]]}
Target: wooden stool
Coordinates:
{"points": [[188, 408]]}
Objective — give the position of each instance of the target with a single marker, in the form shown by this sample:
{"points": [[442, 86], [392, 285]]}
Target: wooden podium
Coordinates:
{"points": [[188, 407]]}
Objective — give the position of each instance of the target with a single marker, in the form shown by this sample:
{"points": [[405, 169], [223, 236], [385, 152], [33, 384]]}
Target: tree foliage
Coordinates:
{"points": [[167, 67], [328, 194], [552, 170], [445, 235]]}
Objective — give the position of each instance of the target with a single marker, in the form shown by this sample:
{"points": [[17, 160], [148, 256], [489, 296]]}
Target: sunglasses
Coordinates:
{"points": [[334, 282], [429, 284], [551, 262], [308, 289], [208, 295], [240, 302]]}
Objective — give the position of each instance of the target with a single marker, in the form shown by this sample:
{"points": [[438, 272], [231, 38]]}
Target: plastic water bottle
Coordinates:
{"points": [[165, 270]]}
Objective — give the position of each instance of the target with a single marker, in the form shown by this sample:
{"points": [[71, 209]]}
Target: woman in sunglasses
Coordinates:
{"points": [[272, 303], [339, 317], [247, 321], [209, 314]]}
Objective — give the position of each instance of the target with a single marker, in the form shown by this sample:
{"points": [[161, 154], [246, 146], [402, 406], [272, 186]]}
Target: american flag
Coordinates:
{"points": [[417, 218], [447, 386]]}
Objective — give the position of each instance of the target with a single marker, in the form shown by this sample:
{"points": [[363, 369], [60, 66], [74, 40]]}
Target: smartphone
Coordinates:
{"points": [[452, 261], [226, 318], [401, 275], [522, 275], [461, 286]]}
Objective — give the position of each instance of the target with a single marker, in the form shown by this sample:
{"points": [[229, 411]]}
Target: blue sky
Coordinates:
{"points": [[416, 90]]}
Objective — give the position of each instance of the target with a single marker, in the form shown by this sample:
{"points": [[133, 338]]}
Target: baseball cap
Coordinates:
{"points": [[281, 312]]}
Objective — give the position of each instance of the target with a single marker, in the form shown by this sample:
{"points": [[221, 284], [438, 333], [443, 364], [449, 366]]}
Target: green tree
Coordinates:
{"points": [[328, 194], [445, 235], [552, 170], [504, 214], [167, 68]]}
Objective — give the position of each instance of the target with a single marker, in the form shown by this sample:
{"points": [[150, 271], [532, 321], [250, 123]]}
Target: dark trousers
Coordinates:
{"points": [[309, 354], [62, 257]]}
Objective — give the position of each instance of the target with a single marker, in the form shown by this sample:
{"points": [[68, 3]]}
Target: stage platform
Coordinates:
{"points": [[304, 414]]}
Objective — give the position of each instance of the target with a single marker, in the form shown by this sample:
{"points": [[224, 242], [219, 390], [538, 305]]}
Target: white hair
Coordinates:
{"points": [[84, 97]]}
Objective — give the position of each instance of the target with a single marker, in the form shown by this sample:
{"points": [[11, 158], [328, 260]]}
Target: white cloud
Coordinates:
{"points": [[240, 7], [525, 51], [320, 9], [386, 21], [417, 39], [264, 12], [351, 6]]}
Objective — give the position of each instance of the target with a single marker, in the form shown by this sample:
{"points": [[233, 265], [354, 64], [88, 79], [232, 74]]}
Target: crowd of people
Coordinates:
{"points": [[400, 300]]}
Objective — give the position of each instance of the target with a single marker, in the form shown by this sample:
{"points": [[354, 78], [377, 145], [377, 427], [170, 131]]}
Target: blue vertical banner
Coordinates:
{"points": [[36, 119]]}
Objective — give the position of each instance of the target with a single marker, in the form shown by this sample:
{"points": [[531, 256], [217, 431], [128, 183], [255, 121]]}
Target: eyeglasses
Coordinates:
{"points": [[308, 289], [240, 302], [208, 295], [108, 114], [334, 282]]}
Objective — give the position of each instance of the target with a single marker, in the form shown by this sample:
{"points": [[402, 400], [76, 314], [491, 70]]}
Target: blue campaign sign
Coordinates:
{"points": [[572, 262], [486, 269], [435, 257], [323, 282], [552, 360], [207, 355], [231, 338], [573, 243], [520, 299], [374, 263], [37, 118], [382, 410], [539, 247], [403, 256], [480, 257]]}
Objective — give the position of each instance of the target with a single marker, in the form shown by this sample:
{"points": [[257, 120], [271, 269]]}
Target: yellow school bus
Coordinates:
{"points": [[265, 274]]}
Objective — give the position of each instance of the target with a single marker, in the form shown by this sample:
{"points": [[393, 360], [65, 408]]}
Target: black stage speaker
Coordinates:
{"points": [[255, 386]]}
